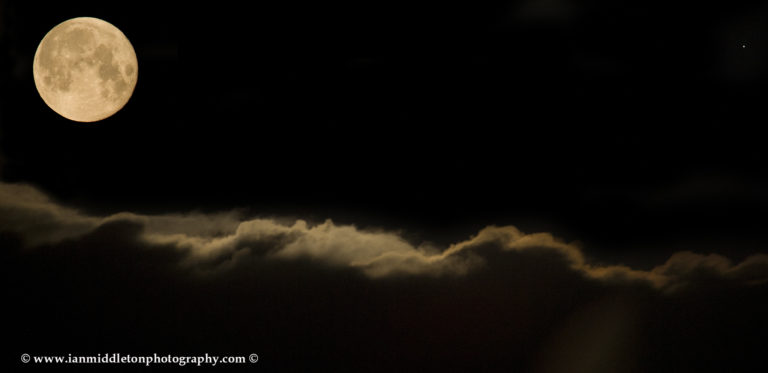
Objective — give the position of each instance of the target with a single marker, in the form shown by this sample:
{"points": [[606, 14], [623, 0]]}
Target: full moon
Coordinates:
{"points": [[85, 69]]}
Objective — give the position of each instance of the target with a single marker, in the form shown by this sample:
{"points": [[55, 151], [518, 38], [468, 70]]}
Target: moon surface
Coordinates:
{"points": [[85, 69]]}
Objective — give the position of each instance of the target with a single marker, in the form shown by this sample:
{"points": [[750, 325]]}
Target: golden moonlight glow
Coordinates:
{"points": [[85, 69]]}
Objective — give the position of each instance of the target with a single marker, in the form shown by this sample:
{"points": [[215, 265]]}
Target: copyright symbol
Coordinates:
{"points": [[25, 358], [253, 358]]}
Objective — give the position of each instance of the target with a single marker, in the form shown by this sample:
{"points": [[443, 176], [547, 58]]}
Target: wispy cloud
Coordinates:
{"points": [[216, 242]]}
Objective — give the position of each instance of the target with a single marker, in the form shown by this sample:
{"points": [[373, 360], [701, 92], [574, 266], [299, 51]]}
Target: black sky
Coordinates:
{"points": [[634, 127], [570, 116]]}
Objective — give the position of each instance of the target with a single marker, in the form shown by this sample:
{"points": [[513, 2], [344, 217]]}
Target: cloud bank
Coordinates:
{"points": [[212, 243], [322, 296]]}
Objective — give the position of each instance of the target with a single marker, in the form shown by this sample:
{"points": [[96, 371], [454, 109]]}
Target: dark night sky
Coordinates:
{"points": [[593, 119], [635, 128]]}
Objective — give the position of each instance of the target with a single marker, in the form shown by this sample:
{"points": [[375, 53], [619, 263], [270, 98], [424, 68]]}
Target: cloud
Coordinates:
{"points": [[29, 212], [321, 295], [686, 268], [216, 242]]}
